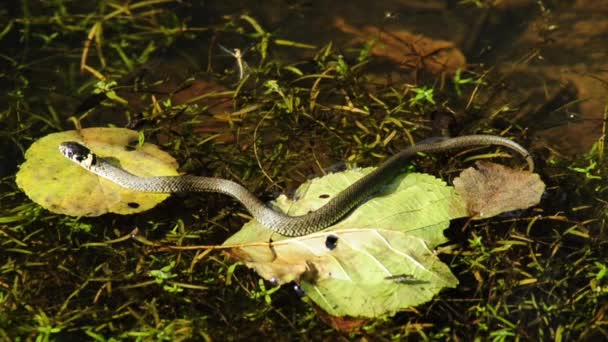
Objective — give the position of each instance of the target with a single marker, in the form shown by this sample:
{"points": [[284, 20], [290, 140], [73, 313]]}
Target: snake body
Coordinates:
{"points": [[335, 209]]}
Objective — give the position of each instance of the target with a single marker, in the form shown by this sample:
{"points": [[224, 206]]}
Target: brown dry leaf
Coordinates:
{"points": [[492, 189], [342, 323], [408, 49]]}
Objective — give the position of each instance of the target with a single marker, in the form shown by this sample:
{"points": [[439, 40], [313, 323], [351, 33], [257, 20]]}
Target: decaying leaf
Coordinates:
{"points": [[61, 186], [492, 189], [376, 261], [408, 49], [343, 323]]}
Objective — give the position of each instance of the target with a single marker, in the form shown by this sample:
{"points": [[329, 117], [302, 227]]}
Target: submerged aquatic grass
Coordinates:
{"points": [[299, 111]]}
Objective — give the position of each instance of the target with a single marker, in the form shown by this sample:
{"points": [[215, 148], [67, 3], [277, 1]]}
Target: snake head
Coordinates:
{"points": [[77, 153]]}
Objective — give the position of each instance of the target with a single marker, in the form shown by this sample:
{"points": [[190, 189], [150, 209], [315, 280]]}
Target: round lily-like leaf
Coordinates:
{"points": [[62, 186]]}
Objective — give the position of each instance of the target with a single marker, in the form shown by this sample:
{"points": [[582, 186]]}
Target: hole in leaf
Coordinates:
{"points": [[133, 205], [331, 242]]}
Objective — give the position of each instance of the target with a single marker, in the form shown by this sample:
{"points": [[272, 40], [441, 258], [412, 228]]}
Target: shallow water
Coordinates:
{"points": [[540, 77]]}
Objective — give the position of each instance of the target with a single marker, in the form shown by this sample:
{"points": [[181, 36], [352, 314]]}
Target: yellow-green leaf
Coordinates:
{"points": [[61, 186], [376, 261]]}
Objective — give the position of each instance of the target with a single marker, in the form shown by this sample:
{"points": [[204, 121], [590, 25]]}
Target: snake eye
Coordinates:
{"points": [[77, 152]]}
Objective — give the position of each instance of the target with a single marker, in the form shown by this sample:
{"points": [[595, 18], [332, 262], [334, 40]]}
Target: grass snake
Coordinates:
{"points": [[330, 213]]}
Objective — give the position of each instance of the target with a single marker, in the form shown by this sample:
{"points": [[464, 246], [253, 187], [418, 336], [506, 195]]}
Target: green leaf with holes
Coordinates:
{"points": [[378, 260], [61, 186]]}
